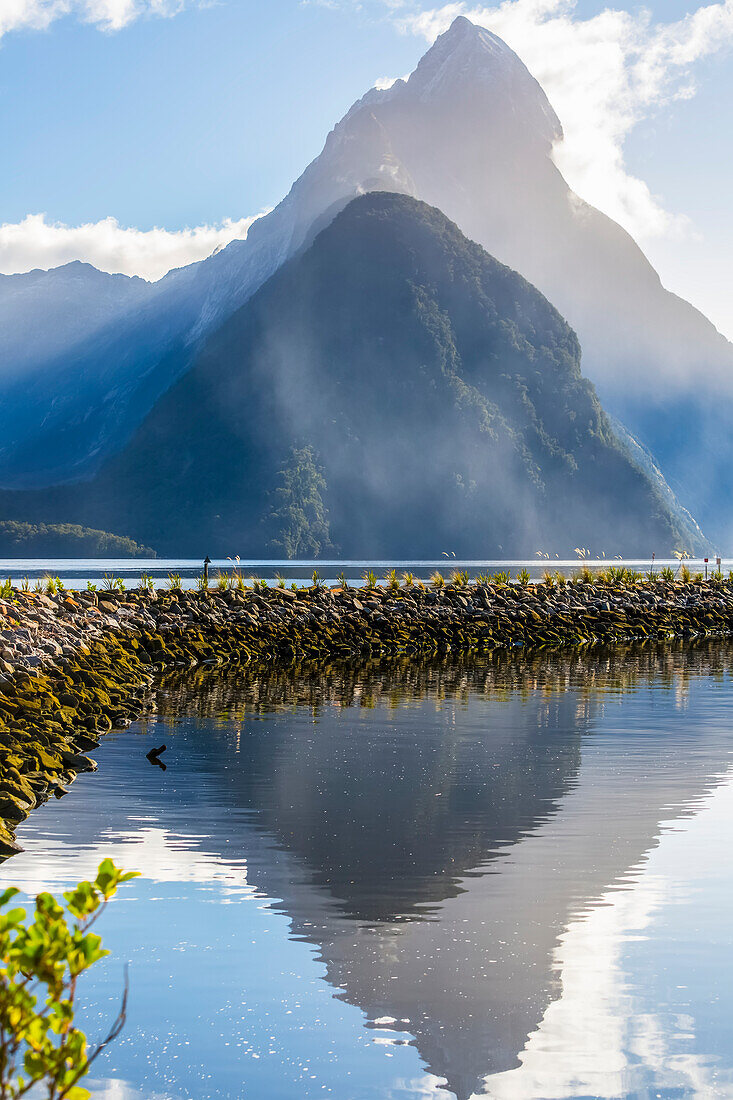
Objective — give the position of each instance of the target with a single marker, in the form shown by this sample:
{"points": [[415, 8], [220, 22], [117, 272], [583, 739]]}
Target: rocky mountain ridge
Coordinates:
{"points": [[472, 133]]}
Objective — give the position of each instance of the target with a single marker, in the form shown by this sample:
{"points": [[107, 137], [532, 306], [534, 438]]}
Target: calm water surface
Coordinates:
{"points": [[510, 879], [76, 573]]}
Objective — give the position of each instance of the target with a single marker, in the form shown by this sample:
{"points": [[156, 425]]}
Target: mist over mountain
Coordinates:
{"points": [[398, 378], [470, 132]]}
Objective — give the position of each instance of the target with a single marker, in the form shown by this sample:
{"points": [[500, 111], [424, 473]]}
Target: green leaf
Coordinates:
{"points": [[47, 954], [76, 1092]]}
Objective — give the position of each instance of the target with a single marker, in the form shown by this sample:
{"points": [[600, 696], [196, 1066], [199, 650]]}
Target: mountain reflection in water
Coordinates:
{"points": [[466, 848]]}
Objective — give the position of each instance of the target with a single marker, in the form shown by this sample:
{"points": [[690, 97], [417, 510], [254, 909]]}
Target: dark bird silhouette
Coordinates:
{"points": [[154, 757]]}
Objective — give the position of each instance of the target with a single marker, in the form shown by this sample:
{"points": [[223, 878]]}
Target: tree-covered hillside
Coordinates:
{"points": [[437, 394], [65, 540]]}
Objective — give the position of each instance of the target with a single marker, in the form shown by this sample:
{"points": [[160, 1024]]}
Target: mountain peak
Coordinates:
{"points": [[470, 68]]}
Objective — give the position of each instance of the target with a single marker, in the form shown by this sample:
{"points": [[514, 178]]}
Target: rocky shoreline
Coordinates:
{"points": [[73, 665]]}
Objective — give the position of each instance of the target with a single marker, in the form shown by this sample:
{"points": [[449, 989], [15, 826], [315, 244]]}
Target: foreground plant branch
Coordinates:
{"points": [[42, 961]]}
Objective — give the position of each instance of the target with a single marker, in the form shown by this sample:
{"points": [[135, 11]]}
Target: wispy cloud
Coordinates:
{"points": [[385, 82], [603, 75], [35, 242], [108, 15]]}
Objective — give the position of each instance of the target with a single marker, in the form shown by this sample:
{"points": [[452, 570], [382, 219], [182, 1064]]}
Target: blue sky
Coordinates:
{"points": [[209, 112]]}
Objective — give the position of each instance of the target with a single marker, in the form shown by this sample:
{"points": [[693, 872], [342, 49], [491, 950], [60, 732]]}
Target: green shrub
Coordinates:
{"points": [[42, 961]]}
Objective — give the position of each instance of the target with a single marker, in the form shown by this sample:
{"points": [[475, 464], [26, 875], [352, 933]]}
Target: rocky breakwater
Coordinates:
{"points": [[74, 665]]}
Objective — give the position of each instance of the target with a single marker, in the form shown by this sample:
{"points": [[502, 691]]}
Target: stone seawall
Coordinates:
{"points": [[75, 665]]}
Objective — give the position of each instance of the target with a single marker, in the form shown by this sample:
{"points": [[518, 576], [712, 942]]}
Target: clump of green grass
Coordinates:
{"points": [[174, 582], [91, 587], [111, 583], [549, 579], [620, 574], [392, 580], [666, 573], [524, 578], [685, 574], [460, 578], [408, 579], [370, 579], [235, 576], [343, 583], [483, 578], [222, 581], [25, 584], [147, 584], [6, 589], [502, 578], [437, 580], [280, 580], [318, 581], [202, 583]]}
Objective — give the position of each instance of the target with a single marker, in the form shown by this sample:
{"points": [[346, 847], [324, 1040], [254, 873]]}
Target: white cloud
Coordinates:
{"points": [[108, 15], [385, 82], [35, 242], [603, 75]]}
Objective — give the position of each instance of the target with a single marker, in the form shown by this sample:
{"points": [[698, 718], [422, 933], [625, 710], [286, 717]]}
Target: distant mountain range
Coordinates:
{"points": [[390, 391], [471, 133]]}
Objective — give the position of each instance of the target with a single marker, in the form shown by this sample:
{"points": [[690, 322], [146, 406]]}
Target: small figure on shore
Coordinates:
{"points": [[154, 757]]}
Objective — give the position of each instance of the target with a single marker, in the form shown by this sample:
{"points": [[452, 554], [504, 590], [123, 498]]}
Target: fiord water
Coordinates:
{"points": [[505, 877]]}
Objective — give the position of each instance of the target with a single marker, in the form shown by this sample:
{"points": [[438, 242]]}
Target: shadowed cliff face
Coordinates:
{"points": [[441, 393], [470, 132]]}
